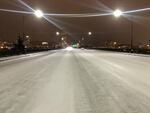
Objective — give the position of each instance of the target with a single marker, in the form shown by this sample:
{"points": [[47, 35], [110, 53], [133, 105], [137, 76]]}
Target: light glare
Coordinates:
{"points": [[69, 48], [90, 33], [77, 15], [118, 13], [39, 13], [57, 33]]}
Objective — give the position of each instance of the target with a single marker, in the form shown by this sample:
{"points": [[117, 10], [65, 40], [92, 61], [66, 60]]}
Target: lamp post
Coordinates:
{"points": [[118, 13], [57, 33], [131, 36], [89, 39], [23, 23], [89, 33], [37, 13]]}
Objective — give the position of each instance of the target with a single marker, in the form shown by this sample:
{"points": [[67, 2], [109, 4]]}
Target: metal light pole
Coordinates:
{"points": [[37, 13], [23, 23], [117, 13], [57, 36], [132, 36], [89, 40]]}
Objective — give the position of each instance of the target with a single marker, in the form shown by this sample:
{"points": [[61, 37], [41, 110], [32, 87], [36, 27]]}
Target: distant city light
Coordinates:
{"points": [[115, 43], [38, 13], [69, 48], [2, 47], [44, 43], [117, 13], [89, 33], [62, 39], [57, 33], [27, 36]]}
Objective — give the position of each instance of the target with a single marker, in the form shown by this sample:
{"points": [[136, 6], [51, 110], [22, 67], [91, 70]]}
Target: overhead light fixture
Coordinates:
{"points": [[117, 13], [38, 13]]}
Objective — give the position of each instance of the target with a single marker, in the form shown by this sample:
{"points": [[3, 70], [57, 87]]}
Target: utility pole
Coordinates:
{"points": [[23, 25], [132, 35]]}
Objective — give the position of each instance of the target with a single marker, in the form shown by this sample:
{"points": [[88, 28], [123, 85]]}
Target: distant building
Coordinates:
{"points": [[43, 45], [5, 45], [111, 44]]}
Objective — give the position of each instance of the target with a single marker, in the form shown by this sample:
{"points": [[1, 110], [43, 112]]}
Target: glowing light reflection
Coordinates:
{"points": [[69, 48], [43, 15], [38, 13], [78, 15], [23, 3], [15, 11], [73, 15], [136, 11]]}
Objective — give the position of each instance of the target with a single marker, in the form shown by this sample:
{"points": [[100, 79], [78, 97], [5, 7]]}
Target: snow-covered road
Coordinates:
{"points": [[76, 81]]}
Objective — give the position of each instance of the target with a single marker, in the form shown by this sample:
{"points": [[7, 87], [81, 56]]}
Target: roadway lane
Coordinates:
{"points": [[77, 81]]}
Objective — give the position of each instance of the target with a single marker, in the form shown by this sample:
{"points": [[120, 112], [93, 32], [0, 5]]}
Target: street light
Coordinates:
{"points": [[38, 13], [57, 33], [89, 33], [62, 39], [118, 13], [27, 36]]}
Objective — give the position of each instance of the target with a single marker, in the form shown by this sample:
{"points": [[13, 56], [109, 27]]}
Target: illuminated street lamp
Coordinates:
{"points": [[89, 33], [118, 13], [115, 43], [57, 33], [27, 36], [2, 47], [62, 39], [148, 46], [38, 13]]}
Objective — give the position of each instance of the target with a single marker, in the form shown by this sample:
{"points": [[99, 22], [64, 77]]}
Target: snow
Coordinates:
{"points": [[77, 81]]}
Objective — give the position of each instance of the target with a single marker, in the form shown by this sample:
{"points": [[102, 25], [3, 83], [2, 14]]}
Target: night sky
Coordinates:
{"points": [[103, 28]]}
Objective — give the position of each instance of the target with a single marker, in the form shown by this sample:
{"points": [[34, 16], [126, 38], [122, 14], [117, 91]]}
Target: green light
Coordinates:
{"points": [[75, 46]]}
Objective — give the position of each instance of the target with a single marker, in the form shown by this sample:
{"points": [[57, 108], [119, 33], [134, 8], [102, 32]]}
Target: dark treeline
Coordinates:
{"points": [[18, 48]]}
